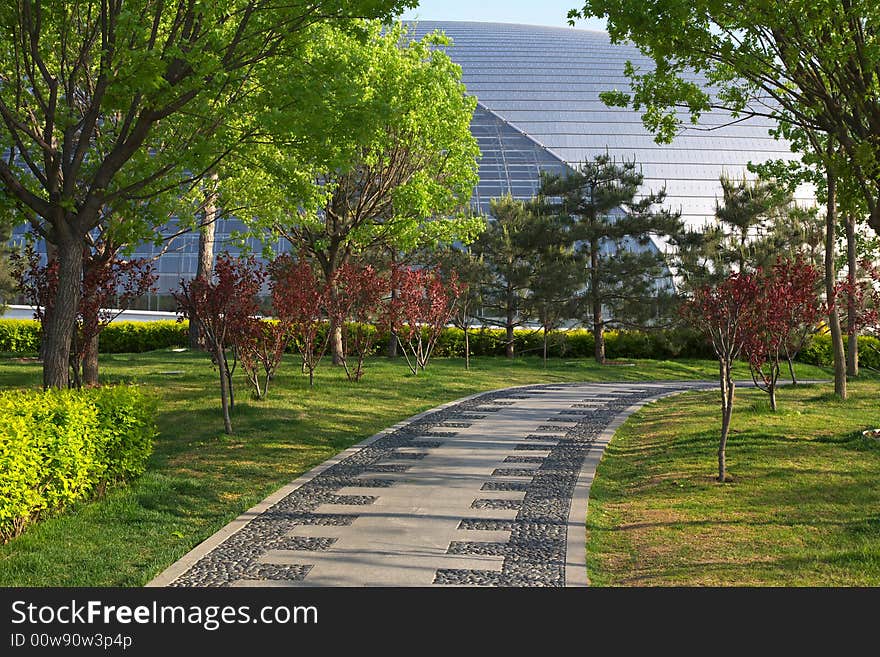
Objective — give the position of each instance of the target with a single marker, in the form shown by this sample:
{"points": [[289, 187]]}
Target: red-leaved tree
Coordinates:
{"points": [[785, 310], [421, 308], [260, 347], [109, 286], [224, 308], [358, 300], [300, 300], [723, 312]]}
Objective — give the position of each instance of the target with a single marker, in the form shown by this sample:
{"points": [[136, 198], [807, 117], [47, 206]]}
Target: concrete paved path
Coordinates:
{"points": [[490, 490]]}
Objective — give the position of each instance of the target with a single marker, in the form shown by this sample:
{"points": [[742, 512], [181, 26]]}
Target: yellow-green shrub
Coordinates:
{"points": [[58, 447]]}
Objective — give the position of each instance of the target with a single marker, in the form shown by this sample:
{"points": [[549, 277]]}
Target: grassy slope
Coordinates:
{"points": [[199, 479], [802, 510]]}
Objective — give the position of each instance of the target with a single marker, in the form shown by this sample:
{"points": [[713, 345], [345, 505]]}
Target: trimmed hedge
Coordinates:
{"points": [[58, 447], [19, 336], [818, 351], [137, 337], [576, 343], [22, 336]]}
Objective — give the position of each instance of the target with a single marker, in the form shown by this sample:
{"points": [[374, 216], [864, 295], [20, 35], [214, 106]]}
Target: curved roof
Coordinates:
{"points": [[539, 108]]}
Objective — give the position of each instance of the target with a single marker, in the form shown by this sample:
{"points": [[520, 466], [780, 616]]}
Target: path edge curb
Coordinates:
{"points": [[576, 533]]}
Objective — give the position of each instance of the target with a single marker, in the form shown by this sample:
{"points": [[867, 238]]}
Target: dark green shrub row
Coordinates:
{"points": [[58, 447], [22, 336], [818, 351]]}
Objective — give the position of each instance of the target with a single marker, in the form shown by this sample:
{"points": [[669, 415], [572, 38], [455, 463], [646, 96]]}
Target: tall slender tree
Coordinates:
{"points": [[614, 227], [553, 295], [470, 271], [506, 248]]}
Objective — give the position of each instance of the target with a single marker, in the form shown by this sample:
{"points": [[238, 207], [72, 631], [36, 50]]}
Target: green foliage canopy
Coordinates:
{"points": [[811, 64], [387, 160]]}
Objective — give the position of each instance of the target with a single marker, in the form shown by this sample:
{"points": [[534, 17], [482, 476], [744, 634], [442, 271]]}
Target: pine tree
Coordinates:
{"points": [[627, 281], [557, 275], [506, 248]]}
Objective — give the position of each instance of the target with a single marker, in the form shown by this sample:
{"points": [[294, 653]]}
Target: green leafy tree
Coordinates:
{"points": [[507, 248], [112, 104], [812, 64], [557, 276], [626, 282], [399, 165]]}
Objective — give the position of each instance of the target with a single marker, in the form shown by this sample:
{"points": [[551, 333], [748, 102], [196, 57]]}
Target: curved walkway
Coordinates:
{"points": [[490, 490]]}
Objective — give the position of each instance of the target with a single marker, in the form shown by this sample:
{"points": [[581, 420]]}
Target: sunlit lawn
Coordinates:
{"points": [[803, 508], [199, 478]]}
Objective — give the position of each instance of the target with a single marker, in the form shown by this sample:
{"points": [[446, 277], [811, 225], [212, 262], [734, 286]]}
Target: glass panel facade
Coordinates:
{"points": [[544, 83], [511, 162]]}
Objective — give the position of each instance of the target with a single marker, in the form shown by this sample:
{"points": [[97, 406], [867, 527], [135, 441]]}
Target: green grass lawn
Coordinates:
{"points": [[199, 478], [803, 507]]}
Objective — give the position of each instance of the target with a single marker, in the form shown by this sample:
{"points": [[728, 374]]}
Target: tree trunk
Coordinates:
{"points": [[726, 414], [205, 266], [852, 334], [791, 370], [391, 349], [51, 252], [224, 392], [511, 312], [90, 363], [467, 349], [336, 345], [545, 347], [596, 299], [59, 325], [772, 393], [830, 280], [230, 390]]}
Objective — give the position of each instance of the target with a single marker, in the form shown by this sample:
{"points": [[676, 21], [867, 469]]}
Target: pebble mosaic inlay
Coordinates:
{"points": [[535, 553], [496, 504]]}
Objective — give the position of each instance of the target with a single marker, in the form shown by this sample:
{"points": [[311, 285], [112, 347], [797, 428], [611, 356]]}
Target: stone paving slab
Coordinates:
{"points": [[490, 490]]}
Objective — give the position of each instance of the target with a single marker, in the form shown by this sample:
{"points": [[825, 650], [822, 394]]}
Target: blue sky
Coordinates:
{"points": [[531, 12]]}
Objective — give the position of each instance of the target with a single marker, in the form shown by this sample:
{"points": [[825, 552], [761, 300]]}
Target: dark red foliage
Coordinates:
{"points": [[863, 297], [421, 309], [224, 306], [261, 348], [300, 300], [109, 286], [724, 313], [359, 291], [785, 310], [224, 309]]}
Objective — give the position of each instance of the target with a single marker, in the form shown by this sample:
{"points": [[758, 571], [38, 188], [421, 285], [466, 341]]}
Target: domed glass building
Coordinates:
{"points": [[537, 90], [538, 109]]}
